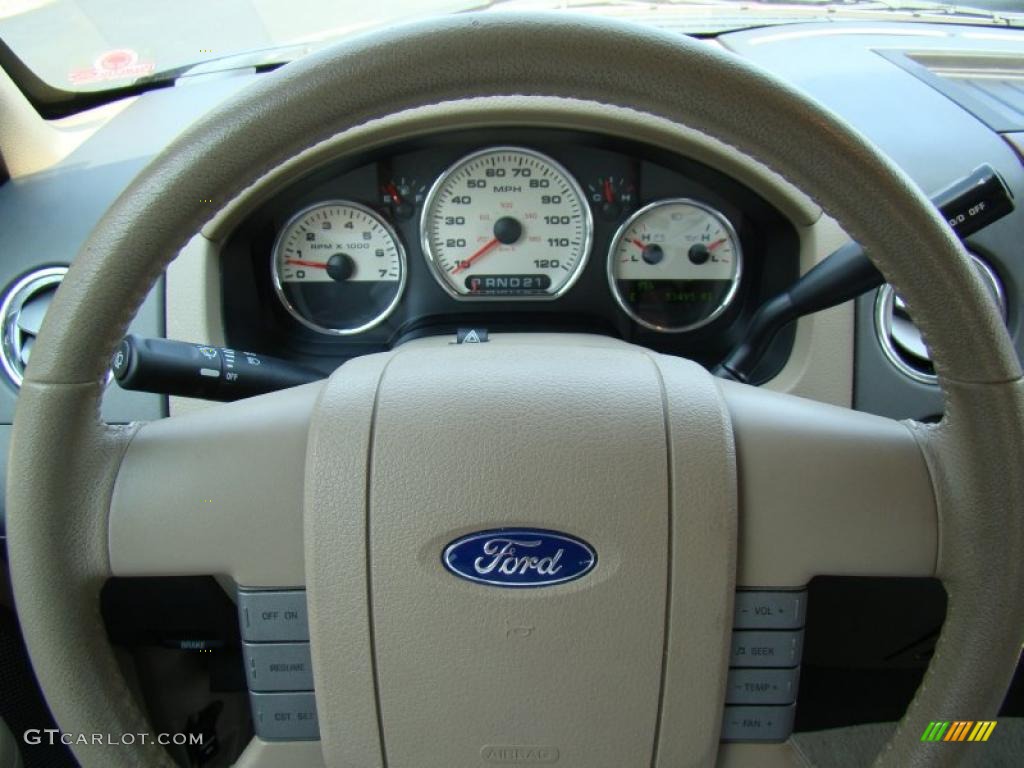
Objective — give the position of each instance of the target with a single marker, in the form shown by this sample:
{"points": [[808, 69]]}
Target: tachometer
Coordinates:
{"points": [[339, 268], [675, 265], [506, 223]]}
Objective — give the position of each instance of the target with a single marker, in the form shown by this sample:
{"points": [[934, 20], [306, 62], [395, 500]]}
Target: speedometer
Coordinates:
{"points": [[507, 223]]}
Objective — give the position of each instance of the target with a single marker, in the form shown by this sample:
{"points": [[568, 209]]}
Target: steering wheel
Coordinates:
{"points": [[676, 479]]}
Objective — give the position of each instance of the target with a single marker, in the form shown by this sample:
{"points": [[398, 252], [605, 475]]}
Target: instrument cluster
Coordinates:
{"points": [[505, 230]]}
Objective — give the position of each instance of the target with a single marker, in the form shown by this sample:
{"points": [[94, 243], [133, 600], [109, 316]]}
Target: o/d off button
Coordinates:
{"points": [[766, 648]]}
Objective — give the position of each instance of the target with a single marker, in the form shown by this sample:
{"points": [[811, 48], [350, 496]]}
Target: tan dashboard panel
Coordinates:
{"points": [[192, 286], [820, 367], [524, 112], [29, 144]]}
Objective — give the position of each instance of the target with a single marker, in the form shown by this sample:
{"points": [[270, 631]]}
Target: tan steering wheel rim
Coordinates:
{"points": [[64, 461]]}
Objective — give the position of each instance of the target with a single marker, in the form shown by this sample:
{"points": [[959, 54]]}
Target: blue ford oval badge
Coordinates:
{"points": [[519, 557]]}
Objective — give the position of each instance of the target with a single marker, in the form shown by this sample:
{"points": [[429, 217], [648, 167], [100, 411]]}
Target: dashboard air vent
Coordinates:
{"points": [[901, 340], [21, 315]]}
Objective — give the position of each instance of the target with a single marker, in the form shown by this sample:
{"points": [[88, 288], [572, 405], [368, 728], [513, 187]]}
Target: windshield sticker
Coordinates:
{"points": [[118, 64]]}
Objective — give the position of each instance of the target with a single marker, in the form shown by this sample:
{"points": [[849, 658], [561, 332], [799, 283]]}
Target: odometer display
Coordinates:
{"points": [[506, 223]]}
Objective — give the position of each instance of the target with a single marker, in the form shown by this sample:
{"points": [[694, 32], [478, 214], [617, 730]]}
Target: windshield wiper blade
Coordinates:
{"points": [[260, 60]]}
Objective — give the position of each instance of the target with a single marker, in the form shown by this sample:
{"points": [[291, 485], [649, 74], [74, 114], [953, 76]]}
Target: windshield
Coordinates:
{"points": [[98, 44], [95, 45]]}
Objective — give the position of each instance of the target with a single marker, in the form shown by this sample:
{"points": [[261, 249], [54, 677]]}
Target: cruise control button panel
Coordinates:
{"points": [[769, 609], [278, 663], [277, 615], [285, 716]]}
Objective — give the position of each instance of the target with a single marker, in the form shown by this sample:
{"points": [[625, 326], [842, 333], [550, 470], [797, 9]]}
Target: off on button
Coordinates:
{"points": [[268, 616]]}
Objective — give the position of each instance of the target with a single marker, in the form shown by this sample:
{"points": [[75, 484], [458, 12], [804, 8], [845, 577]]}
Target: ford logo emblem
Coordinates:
{"points": [[519, 557]]}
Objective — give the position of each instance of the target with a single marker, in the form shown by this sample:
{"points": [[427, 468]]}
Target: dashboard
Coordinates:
{"points": [[506, 230], [447, 266]]}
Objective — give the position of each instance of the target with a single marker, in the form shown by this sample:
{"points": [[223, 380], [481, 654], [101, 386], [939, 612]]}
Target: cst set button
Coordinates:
{"points": [[285, 716]]}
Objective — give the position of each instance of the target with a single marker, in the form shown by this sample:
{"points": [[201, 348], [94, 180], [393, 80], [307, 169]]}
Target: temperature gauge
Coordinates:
{"points": [[402, 196], [611, 196], [675, 265]]}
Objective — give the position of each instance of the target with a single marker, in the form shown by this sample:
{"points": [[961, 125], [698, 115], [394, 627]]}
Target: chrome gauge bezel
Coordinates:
{"points": [[438, 272], [726, 301], [885, 301], [295, 313]]}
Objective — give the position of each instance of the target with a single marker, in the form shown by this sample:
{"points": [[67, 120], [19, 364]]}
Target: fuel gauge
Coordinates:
{"points": [[675, 265], [403, 196], [611, 196]]}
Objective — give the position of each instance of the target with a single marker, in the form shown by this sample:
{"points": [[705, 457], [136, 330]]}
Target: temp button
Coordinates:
{"points": [[762, 686], [757, 648]]}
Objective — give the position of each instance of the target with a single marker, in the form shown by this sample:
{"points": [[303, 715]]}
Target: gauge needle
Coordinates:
{"points": [[304, 263], [609, 197], [717, 243], [490, 245], [639, 243], [393, 193]]}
